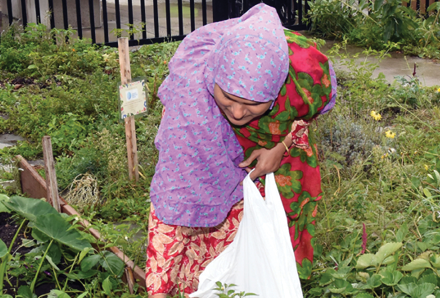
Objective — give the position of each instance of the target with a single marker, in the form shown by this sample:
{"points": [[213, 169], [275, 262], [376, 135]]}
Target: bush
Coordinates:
{"points": [[378, 24]]}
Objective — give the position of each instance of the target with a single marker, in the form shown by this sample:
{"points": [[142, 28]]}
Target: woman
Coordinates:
{"points": [[240, 95]]}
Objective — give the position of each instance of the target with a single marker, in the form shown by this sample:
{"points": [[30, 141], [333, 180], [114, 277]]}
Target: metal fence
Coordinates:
{"points": [[419, 5], [291, 12], [145, 21]]}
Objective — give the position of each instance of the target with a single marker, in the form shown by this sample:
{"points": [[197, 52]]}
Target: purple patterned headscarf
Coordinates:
{"points": [[197, 175]]}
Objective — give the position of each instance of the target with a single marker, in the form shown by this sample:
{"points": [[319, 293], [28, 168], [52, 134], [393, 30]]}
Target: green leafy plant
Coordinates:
{"points": [[61, 249], [226, 291], [376, 24]]}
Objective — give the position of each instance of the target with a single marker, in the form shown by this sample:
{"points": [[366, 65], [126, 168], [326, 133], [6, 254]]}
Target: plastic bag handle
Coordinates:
{"points": [[249, 185]]}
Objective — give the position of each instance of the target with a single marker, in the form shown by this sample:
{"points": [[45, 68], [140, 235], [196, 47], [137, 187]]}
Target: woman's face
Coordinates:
{"points": [[239, 111]]}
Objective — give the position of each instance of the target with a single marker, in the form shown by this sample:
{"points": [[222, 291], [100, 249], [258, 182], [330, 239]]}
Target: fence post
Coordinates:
{"points": [[51, 177], [220, 10]]}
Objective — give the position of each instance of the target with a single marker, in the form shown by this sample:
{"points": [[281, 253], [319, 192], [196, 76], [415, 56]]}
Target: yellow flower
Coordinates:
{"points": [[390, 134], [426, 167], [376, 116], [438, 90]]}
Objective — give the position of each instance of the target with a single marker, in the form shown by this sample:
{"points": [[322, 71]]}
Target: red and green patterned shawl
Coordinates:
{"points": [[305, 93]]}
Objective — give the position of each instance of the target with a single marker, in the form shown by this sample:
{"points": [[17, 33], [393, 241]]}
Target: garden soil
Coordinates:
{"points": [[8, 228]]}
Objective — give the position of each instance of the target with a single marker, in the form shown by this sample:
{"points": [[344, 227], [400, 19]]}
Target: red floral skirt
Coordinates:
{"points": [[177, 255]]}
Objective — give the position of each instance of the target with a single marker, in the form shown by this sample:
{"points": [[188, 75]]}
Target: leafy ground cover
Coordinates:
{"points": [[48, 256], [378, 227], [379, 24]]}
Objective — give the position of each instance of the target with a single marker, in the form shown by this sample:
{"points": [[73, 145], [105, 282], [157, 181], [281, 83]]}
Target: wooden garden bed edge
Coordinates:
{"points": [[34, 186]]}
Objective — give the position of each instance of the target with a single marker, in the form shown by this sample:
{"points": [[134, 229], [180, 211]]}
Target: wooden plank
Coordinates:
{"points": [[35, 187], [138, 273], [130, 279], [130, 132], [51, 177], [32, 184]]}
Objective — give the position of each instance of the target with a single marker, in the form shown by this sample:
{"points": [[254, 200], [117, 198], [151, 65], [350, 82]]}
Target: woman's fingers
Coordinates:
{"points": [[256, 173], [247, 170], [251, 158]]}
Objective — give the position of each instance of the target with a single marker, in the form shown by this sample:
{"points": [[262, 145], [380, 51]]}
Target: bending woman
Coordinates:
{"points": [[240, 95]]}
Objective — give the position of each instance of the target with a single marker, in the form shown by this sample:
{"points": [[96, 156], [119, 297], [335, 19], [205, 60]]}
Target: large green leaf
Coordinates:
{"points": [[364, 261], [435, 261], [4, 198], [342, 272], [37, 235], [363, 295], [385, 251], [29, 208], [407, 280], [416, 264], [434, 6], [3, 249], [407, 288], [25, 292], [341, 287], [401, 233], [54, 253], [417, 290], [391, 278], [88, 262], [423, 290], [58, 294], [416, 273], [430, 278], [326, 277], [55, 227], [83, 253], [373, 282], [107, 286], [112, 264]]}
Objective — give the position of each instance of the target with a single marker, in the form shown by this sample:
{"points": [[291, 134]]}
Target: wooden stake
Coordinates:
{"points": [[130, 279], [130, 132], [51, 177]]}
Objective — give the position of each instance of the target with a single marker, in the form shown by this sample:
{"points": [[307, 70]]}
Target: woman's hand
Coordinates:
{"points": [[268, 161]]}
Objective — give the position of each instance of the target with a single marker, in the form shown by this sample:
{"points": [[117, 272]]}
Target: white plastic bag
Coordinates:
{"points": [[260, 260]]}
